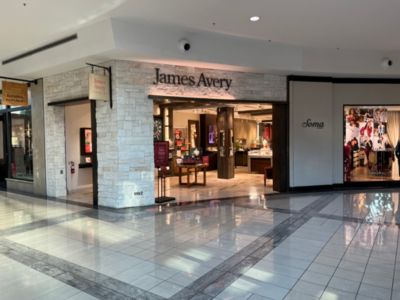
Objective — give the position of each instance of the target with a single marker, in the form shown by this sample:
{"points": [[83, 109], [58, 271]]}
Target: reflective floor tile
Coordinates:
{"points": [[308, 288], [232, 293]]}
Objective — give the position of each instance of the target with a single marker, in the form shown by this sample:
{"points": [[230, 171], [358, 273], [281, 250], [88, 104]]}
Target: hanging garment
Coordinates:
{"points": [[397, 153]]}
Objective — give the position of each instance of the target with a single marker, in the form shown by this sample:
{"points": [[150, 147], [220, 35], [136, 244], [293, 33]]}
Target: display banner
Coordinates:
{"points": [[15, 94], [99, 87], [161, 154]]}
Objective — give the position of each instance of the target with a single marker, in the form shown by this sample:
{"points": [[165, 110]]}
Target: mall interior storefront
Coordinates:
{"points": [[22, 155], [353, 143], [16, 162], [371, 144], [198, 131], [147, 106]]}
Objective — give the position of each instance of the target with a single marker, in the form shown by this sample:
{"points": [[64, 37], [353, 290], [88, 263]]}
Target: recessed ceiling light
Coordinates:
{"points": [[255, 18]]}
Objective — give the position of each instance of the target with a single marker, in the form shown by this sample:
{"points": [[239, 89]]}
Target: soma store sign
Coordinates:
{"points": [[15, 94], [309, 123], [192, 81]]}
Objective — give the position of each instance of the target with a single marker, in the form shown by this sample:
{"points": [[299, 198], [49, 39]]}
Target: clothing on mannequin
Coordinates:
{"points": [[397, 153]]}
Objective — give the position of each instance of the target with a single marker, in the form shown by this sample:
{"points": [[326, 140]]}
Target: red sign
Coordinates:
{"points": [[161, 154]]}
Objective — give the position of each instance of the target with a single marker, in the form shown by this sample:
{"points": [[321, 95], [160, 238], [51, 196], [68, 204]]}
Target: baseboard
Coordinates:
{"points": [[346, 186], [310, 189]]}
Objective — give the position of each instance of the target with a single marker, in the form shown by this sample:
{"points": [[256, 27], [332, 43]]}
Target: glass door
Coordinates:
{"points": [[3, 149]]}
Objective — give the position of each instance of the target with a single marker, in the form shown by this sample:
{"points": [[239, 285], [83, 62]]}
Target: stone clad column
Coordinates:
{"points": [[38, 139], [226, 158], [125, 142]]}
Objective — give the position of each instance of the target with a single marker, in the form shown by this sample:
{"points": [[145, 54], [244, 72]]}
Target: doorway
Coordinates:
{"points": [[257, 142], [3, 149], [79, 153]]}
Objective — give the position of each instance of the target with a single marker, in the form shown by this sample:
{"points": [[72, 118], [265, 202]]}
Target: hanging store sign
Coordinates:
{"points": [[99, 87], [15, 94], [192, 81]]}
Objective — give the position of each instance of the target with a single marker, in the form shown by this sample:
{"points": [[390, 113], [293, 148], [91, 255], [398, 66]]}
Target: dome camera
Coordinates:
{"points": [[386, 63], [184, 45]]}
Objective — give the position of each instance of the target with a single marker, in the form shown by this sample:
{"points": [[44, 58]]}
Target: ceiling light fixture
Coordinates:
{"points": [[255, 18]]}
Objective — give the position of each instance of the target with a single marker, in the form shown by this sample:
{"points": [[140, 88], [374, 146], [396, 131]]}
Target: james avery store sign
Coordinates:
{"points": [[193, 81]]}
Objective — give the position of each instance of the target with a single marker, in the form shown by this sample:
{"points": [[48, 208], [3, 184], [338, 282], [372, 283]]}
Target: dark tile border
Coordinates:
{"points": [[215, 281], [40, 224], [86, 280]]}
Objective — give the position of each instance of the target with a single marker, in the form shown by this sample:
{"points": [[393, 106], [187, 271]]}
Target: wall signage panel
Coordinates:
{"points": [[15, 94], [161, 154], [190, 80], [99, 87]]}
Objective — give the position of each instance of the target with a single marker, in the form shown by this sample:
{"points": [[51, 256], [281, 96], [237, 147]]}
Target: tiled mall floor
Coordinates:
{"points": [[338, 245]]}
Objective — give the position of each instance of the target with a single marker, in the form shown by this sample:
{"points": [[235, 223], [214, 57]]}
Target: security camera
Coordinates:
{"points": [[386, 63], [184, 45]]}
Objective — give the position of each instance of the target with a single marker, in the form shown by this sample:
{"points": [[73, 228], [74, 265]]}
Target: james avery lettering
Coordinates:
{"points": [[190, 80]]}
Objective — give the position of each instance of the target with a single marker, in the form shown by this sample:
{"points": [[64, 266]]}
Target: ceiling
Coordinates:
{"points": [[357, 25], [23, 28]]}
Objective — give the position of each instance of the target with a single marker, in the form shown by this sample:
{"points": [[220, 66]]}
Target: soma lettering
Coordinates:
{"points": [[312, 124]]}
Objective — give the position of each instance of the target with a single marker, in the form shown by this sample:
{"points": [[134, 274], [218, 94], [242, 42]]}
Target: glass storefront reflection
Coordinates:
{"points": [[372, 207], [375, 208], [380, 207]]}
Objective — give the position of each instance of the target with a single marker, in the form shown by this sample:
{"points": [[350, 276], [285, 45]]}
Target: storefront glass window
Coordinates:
{"points": [[371, 140], [21, 144]]}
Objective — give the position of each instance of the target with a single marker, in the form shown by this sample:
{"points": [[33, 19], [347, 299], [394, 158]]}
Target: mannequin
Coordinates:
{"points": [[397, 153]]}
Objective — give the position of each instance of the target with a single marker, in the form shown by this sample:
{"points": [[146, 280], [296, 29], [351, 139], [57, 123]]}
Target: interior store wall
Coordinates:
{"points": [[245, 129], [181, 118], [316, 155], [76, 117]]}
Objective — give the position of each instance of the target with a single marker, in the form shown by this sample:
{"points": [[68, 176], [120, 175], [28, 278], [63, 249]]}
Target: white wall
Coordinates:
{"points": [[76, 117], [310, 148]]}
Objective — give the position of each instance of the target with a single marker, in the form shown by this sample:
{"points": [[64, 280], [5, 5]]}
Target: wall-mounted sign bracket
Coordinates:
{"points": [[106, 69], [29, 82]]}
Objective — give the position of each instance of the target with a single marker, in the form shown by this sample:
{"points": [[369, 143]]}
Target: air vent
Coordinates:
{"points": [[40, 49]]}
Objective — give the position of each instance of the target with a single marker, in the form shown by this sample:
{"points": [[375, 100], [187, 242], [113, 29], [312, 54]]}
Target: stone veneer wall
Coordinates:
{"points": [[59, 87], [125, 133]]}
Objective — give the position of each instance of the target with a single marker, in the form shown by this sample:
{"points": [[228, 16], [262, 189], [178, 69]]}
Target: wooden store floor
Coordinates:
{"points": [[363, 174], [244, 184]]}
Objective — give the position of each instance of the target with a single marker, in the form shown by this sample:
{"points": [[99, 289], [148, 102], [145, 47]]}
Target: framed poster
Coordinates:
{"points": [[158, 129], [86, 141], [161, 154]]}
